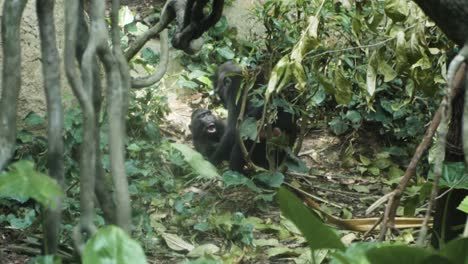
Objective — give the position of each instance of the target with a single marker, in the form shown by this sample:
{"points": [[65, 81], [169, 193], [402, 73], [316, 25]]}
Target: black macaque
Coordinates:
{"points": [[227, 82], [207, 131]]}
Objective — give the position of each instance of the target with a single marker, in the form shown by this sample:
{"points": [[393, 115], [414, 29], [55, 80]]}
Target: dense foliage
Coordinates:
{"points": [[371, 67]]}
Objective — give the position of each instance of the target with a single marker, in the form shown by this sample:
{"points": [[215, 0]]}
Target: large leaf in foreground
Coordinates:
{"points": [[22, 181], [456, 250], [112, 245], [202, 167], [403, 254], [317, 234]]}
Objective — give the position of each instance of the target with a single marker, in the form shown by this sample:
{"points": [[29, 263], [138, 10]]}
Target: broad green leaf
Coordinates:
{"points": [[453, 176], [325, 82], [176, 243], [33, 119], [364, 160], [338, 126], [272, 179], [371, 75], [307, 41], [202, 250], [402, 63], [206, 80], [355, 118], [343, 92], [226, 53], [195, 74], [374, 171], [413, 51], [150, 56], [25, 182], [248, 128], [112, 245], [280, 76], [187, 84], [202, 167], [397, 10], [382, 163], [125, 16], [374, 21], [233, 178], [397, 254], [361, 189], [355, 253], [456, 250], [47, 259], [220, 27], [464, 205], [395, 173], [317, 234], [387, 71]]}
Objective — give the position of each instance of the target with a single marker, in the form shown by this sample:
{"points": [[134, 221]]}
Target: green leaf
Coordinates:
{"points": [[187, 84], [317, 234], [33, 119], [226, 53], [273, 179], [371, 75], [456, 250], [23, 181], [280, 76], [373, 170], [453, 176], [338, 126], [464, 205], [150, 56], [220, 27], [364, 160], [397, 10], [355, 253], [202, 250], [361, 189], [205, 169], [402, 63], [112, 245], [397, 254], [355, 118], [387, 71], [125, 16], [233, 178], [343, 92], [395, 173], [248, 128], [47, 259]]}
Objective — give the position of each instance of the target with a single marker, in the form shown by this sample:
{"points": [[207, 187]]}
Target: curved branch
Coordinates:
{"points": [[160, 70], [11, 77], [168, 14], [82, 90], [187, 37]]}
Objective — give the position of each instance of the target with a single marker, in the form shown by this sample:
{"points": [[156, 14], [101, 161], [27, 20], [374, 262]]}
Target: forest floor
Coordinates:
{"points": [[333, 180]]}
